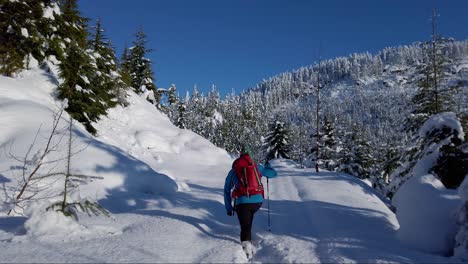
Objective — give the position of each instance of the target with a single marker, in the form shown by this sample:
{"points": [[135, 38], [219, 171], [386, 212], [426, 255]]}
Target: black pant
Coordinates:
{"points": [[245, 213]]}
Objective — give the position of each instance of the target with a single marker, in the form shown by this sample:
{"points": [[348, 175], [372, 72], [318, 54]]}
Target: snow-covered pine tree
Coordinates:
{"points": [[276, 142], [21, 42], [330, 147], [439, 146], [316, 146], [387, 156], [355, 156], [171, 95], [139, 67], [214, 118], [106, 82], [124, 68], [170, 105], [299, 143], [230, 129], [77, 68], [180, 122], [195, 114]]}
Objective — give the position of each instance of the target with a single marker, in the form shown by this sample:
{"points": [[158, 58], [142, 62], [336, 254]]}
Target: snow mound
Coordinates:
{"points": [[461, 239], [426, 211], [54, 226]]}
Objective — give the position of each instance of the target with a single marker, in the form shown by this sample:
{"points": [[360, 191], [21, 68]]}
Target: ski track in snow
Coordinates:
{"points": [[325, 217]]}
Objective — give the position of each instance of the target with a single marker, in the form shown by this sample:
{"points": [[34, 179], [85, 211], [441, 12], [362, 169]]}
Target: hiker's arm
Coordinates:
{"points": [[227, 192], [267, 171]]}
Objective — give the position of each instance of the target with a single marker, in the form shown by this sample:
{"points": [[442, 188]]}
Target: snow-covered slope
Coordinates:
{"points": [[164, 186], [27, 106], [147, 134]]}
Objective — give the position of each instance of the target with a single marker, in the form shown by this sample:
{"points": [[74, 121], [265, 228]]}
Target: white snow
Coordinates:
{"points": [[49, 11], [427, 211], [52, 226], [438, 121], [31, 62], [24, 32], [461, 239], [85, 79], [217, 118], [163, 186]]}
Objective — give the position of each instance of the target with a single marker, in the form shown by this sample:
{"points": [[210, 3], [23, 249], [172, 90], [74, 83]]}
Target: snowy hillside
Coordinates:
{"points": [[148, 135], [27, 105]]}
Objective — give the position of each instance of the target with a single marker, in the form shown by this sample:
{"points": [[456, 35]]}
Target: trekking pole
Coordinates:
{"points": [[268, 203]]}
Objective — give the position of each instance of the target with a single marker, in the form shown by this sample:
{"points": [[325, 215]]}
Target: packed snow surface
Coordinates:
{"points": [[163, 186]]}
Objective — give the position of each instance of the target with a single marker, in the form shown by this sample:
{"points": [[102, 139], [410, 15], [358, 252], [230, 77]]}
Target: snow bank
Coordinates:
{"points": [[461, 239], [426, 213]]}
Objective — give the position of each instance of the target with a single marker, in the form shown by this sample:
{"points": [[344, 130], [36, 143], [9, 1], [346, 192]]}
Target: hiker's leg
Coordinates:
{"points": [[253, 208], [243, 213]]}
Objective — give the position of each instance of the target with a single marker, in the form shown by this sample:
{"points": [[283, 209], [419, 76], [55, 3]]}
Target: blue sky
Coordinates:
{"points": [[236, 44]]}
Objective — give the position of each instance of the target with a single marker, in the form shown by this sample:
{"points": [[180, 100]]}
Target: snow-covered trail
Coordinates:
{"points": [[329, 217], [316, 218]]}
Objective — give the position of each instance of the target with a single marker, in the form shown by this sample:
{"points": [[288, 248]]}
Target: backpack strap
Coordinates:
{"points": [[256, 175]]}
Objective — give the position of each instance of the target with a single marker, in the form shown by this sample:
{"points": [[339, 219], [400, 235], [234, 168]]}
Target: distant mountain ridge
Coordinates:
{"points": [[365, 101]]}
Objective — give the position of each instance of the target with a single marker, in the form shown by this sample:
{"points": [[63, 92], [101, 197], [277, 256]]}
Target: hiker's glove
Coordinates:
{"points": [[229, 213]]}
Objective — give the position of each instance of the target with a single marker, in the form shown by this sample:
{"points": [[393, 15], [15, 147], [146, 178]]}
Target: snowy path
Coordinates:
{"points": [[323, 217], [328, 217]]}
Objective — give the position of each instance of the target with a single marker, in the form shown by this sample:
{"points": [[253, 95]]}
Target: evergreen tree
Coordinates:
{"points": [[387, 160], [181, 116], [276, 142], [86, 100], [355, 157], [74, 71], [21, 42], [439, 149], [330, 147], [139, 66], [170, 105], [432, 96], [171, 95], [316, 145], [106, 81], [124, 69]]}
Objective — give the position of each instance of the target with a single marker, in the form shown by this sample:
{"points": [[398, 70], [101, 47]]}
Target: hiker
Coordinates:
{"points": [[247, 201]]}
